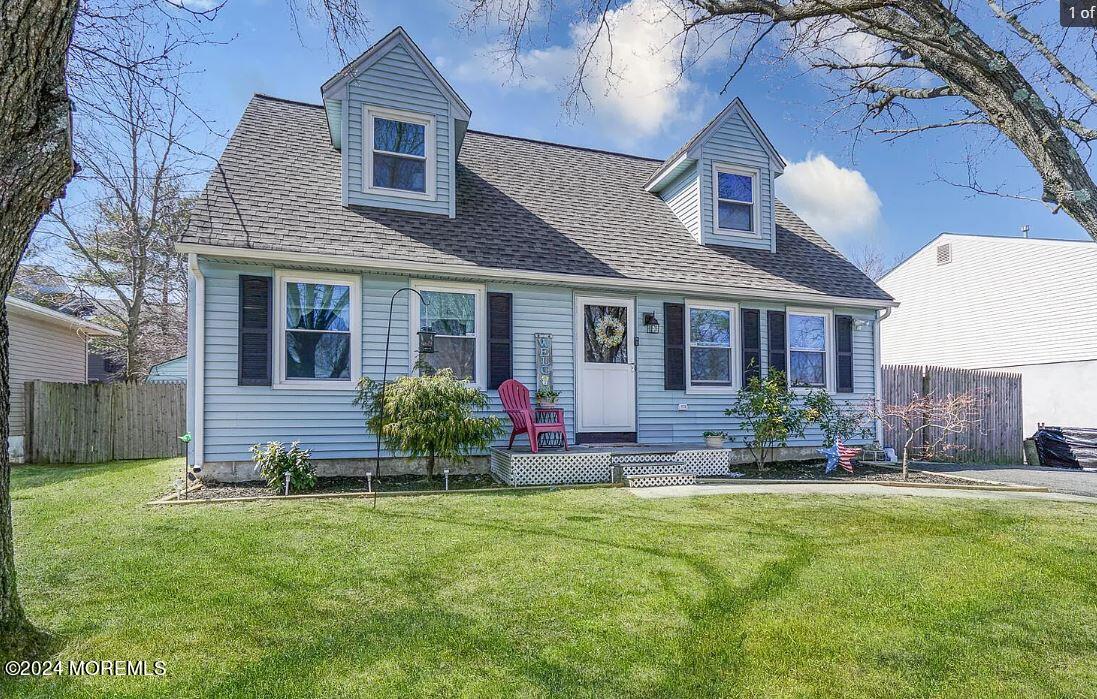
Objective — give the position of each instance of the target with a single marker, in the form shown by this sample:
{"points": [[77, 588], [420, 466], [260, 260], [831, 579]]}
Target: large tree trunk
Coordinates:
{"points": [[35, 166]]}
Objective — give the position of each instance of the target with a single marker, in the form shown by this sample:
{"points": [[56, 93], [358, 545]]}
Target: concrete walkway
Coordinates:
{"points": [[1059, 480], [872, 489]]}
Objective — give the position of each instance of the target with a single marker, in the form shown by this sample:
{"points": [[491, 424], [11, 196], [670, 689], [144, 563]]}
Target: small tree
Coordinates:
{"points": [[934, 420], [766, 407], [836, 419], [428, 416]]}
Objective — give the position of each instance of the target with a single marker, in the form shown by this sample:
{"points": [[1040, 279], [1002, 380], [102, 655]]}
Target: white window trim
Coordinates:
{"points": [[430, 152], [828, 348], [755, 206], [480, 320], [736, 346], [281, 278]]}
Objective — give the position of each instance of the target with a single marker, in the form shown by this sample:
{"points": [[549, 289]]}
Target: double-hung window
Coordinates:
{"points": [[317, 322], [456, 315], [808, 347], [735, 199], [401, 153], [711, 358]]}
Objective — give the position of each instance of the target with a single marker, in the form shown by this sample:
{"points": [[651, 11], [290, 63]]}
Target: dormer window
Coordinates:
{"points": [[401, 159], [735, 197]]}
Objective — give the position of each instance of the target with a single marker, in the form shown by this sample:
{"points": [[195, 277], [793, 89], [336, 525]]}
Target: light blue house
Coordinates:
{"points": [[656, 287], [170, 371]]}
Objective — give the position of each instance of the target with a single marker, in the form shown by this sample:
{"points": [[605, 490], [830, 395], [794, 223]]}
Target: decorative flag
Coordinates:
{"points": [[839, 455]]}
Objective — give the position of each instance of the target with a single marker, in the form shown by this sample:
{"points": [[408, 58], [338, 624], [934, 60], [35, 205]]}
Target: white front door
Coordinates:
{"points": [[605, 364]]}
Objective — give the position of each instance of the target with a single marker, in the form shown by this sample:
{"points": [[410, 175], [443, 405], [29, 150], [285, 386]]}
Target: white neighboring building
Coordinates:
{"points": [[1026, 305]]}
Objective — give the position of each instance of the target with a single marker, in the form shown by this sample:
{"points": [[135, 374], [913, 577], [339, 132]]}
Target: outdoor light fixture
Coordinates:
{"points": [[651, 323], [426, 341]]}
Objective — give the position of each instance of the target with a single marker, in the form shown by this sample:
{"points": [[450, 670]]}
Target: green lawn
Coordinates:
{"points": [[567, 593]]}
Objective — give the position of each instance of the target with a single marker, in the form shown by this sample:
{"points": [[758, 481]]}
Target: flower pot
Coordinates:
{"points": [[715, 442], [546, 404]]}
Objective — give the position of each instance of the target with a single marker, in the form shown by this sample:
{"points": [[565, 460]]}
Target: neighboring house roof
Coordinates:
{"points": [[174, 369], [52, 316], [543, 209], [978, 301]]}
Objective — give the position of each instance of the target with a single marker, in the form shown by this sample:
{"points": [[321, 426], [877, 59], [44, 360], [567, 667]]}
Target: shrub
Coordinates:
{"points": [[428, 416], [836, 419], [273, 460], [767, 409]]}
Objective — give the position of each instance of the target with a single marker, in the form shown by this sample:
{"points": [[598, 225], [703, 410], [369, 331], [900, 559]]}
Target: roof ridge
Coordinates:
{"points": [[588, 149], [287, 100]]}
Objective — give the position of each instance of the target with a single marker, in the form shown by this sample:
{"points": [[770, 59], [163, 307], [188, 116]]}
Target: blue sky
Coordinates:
{"points": [[830, 186]]}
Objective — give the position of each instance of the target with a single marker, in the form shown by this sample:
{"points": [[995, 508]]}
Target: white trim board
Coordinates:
{"points": [[278, 379], [429, 157], [518, 276]]}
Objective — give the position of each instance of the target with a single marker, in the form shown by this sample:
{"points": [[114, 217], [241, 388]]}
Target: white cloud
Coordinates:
{"points": [[634, 84], [836, 201]]}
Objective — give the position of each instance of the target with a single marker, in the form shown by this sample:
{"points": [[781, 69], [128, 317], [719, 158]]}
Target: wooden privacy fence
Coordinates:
{"points": [[995, 437], [86, 423]]}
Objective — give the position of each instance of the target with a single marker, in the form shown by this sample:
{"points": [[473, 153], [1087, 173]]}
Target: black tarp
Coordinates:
{"points": [[1067, 447]]}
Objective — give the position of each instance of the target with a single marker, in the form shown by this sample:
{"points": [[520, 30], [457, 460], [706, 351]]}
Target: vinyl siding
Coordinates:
{"points": [[684, 199], [173, 371], [999, 302], [660, 422], [395, 81], [40, 351], [326, 422], [734, 143]]}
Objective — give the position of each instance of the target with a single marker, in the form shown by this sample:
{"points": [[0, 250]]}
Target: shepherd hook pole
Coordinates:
{"points": [[385, 377]]}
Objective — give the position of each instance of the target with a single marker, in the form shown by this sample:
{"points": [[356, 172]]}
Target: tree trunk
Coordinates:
{"points": [[35, 165], [904, 463], [430, 467]]}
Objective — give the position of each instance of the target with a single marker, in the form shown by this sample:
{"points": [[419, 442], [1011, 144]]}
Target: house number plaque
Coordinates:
{"points": [[542, 345]]}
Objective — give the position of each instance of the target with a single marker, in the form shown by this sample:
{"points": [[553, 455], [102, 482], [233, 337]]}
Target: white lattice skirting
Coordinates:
{"points": [[590, 466], [656, 480]]}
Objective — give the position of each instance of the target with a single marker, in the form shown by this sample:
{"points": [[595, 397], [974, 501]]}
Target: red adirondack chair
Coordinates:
{"points": [[523, 416]]}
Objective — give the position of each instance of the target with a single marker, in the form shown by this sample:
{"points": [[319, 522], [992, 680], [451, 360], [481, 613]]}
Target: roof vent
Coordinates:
{"points": [[944, 254]]}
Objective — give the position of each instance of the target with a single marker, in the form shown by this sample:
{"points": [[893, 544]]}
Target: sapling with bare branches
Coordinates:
{"points": [[934, 421]]}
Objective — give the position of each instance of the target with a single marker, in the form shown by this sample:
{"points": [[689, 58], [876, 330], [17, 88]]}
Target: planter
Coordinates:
{"points": [[546, 406], [715, 442]]}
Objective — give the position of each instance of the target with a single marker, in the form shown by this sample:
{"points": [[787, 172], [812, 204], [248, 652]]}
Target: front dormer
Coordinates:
{"points": [[399, 126], [720, 184]]}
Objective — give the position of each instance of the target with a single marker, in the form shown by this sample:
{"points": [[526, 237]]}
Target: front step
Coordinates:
{"points": [[655, 480], [640, 468]]}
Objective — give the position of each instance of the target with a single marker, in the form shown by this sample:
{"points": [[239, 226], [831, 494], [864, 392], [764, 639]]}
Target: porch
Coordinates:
{"points": [[606, 463]]}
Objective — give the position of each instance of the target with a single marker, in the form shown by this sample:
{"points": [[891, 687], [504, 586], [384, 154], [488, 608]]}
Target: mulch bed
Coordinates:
{"points": [[815, 471], [221, 491]]}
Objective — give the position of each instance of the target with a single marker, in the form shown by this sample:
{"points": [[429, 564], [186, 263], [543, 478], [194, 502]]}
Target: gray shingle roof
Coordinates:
{"points": [[522, 205]]}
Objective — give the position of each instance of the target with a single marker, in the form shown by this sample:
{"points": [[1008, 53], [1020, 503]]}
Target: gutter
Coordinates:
{"points": [[582, 280], [198, 365], [877, 340]]}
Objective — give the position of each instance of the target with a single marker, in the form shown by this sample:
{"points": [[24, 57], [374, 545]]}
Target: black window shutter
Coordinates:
{"points": [[752, 343], [500, 338], [775, 322], [255, 331], [843, 342], [674, 346]]}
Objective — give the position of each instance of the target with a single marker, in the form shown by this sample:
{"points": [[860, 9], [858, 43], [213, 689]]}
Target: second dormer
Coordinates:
{"points": [[399, 127], [720, 184]]}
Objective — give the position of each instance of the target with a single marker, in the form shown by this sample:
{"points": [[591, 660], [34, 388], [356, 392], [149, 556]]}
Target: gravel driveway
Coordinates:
{"points": [[1059, 480]]}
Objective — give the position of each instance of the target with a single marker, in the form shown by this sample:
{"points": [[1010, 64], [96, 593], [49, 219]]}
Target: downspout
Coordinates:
{"points": [[879, 387], [198, 362]]}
